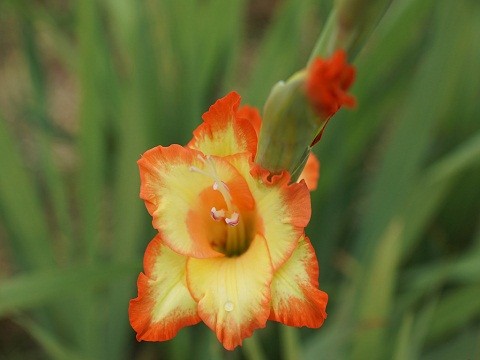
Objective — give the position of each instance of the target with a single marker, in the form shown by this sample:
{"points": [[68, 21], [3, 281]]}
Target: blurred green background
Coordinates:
{"points": [[87, 86]]}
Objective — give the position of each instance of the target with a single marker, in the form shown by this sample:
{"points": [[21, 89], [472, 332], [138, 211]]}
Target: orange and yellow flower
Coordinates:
{"points": [[230, 249]]}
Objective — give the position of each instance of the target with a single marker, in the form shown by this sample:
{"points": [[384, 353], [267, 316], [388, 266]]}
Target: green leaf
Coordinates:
{"points": [[463, 345], [456, 309], [279, 52], [49, 172], [376, 296], [434, 185], [409, 141], [47, 341], [22, 209], [30, 291], [402, 348]]}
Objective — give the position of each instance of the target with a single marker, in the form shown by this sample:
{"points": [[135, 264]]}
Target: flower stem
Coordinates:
{"points": [[348, 27], [252, 349], [290, 342], [325, 42]]}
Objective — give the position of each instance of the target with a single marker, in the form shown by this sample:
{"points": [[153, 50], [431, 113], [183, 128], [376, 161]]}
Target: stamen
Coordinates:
{"points": [[200, 171], [218, 184], [217, 215], [233, 220]]}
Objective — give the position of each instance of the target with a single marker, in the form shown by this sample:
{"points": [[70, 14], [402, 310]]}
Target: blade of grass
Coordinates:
{"points": [[398, 172], [283, 37], [348, 27], [29, 291], [48, 341], [183, 25], [461, 346], [422, 324], [432, 188], [375, 306], [359, 128], [94, 94], [413, 331], [425, 279], [409, 141], [54, 184], [402, 348], [22, 209], [455, 310], [90, 142], [291, 348], [219, 47], [129, 217], [335, 335], [252, 348]]}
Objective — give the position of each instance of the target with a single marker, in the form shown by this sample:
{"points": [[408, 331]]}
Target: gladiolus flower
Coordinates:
{"points": [[230, 249]]}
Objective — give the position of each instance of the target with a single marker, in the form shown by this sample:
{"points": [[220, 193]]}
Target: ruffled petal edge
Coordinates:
{"points": [[296, 298], [164, 304]]}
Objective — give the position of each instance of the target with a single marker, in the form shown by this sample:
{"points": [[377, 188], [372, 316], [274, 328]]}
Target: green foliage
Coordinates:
{"points": [[395, 219]]}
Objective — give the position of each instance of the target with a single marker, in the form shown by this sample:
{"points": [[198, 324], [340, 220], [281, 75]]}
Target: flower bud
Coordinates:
{"points": [[297, 111]]}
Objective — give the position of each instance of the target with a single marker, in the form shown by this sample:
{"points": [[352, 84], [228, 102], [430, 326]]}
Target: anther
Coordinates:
{"points": [[220, 186], [217, 215], [233, 220]]}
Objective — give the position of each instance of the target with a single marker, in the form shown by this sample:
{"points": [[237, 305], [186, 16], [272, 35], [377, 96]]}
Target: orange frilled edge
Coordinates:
{"points": [[327, 84]]}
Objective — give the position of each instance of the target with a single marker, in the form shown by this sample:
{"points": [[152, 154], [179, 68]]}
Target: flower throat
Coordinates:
{"points": [[235, 237]]}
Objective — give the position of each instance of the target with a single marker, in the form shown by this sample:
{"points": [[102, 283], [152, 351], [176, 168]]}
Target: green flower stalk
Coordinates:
{"points": [[297, 111]]}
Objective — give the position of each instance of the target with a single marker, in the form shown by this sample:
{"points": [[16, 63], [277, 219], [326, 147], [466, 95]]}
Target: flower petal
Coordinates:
{"points": [[311, 172], [284, 209], [285, 218], [174, 196], [169, 189], [296, 299], [223, 132], [233, 294], [252, 115], [164, 304]]}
